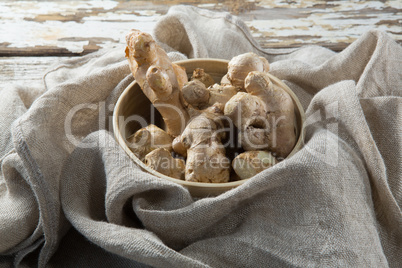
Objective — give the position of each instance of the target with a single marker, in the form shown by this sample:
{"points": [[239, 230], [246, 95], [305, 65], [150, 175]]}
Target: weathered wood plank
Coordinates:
{"points": [[67, 28], [25, 70], [70, 27], [334, 24]]}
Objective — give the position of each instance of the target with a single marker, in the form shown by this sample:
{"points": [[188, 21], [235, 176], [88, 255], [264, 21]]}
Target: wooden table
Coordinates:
{"points": [[36, 34]]}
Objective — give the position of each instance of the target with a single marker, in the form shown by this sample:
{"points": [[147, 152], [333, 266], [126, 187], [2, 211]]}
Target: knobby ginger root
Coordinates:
{"points": [[264, 115], [248, 114], [200, 75], [250, 163], [159, 78], [200, 97], [162, 161], [148, 139], [221, 94], [196, 94], [240, 66], [201, 141]]}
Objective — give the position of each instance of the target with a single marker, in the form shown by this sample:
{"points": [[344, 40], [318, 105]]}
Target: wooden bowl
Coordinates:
{"points": [[133, 110]]}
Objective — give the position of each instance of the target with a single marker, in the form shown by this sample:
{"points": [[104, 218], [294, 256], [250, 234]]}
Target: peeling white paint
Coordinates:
{"points": [[394, 4], [147, 12], [289, 3], [75, 47], [356, 5], [30, 9], [27, 33], [206, 5], [111, 16], [341, 22], [328, 27]]}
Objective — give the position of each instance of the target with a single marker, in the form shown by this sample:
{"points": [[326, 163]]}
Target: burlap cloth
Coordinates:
{"points": [[336, 203]]}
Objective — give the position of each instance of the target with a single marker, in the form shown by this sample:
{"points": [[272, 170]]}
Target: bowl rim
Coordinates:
{"points": [[227, 185]]}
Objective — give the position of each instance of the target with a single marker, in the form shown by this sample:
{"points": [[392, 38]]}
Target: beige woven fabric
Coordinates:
{"points": [[83, 203]]}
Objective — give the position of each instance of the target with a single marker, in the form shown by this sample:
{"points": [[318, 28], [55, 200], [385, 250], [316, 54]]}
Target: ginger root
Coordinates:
{"points": [[264, 115], [159, 78], [240, 66], [162, 161], [201, 141], [220, 94], [148, 139], [250, 163], [195, 93], [200, 75], [200, 97]]}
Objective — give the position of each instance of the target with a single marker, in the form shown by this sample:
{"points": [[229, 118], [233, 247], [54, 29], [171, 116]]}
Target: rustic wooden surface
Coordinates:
{"points": [[35, 34]]}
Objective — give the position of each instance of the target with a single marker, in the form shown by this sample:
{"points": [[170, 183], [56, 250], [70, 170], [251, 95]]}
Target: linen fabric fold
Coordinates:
{"points": [[70, 196]]}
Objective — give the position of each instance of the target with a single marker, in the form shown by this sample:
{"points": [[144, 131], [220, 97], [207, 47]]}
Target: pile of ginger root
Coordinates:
{"points": [[203, 117]]}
